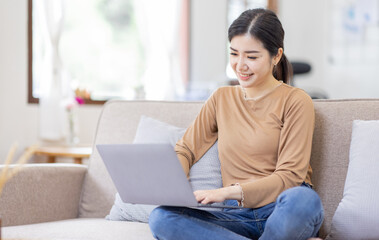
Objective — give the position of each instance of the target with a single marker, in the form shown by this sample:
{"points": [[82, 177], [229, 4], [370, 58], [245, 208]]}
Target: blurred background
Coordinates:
{"points": [[60, 60]]}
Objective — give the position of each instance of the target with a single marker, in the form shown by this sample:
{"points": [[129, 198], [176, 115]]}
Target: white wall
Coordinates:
{"points": [[308, 25], [304, 23], [208, 43], [18, 119]]}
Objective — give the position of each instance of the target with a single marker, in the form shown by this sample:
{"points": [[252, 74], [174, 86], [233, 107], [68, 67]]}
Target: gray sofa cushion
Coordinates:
{"points": [[151, 130]]}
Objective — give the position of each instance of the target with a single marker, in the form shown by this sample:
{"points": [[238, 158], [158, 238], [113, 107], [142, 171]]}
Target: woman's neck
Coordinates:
{"points": [[262, 89]]}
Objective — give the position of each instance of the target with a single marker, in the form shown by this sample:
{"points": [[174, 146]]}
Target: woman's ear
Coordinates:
{"points": [[278, 56]]}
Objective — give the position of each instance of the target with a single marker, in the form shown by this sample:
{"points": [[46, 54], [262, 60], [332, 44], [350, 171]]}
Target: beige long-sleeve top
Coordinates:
{"points": [[264, 144]]}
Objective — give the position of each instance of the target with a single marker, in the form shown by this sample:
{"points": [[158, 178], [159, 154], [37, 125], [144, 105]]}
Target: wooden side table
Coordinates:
{"points": [[77, 153]]}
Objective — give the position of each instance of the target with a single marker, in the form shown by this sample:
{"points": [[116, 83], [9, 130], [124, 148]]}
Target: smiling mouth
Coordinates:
{"points": [[245, 76]]}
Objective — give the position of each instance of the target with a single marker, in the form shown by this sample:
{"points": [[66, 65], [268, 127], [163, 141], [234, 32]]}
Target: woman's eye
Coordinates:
{"points": [[252, 58], [233, 54]]}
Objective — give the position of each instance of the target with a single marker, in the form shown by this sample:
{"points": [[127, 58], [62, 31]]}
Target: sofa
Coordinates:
{"points": [[70, 201]]}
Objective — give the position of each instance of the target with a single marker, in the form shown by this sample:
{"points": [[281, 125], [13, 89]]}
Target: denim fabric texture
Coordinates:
{"points": [[296, 214]]}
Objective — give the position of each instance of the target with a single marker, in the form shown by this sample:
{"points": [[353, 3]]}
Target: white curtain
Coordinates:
{"points": [[158, 25], [53, 84]]}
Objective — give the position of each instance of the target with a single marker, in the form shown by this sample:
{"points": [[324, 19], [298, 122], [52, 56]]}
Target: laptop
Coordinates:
{"points": [[149, 174]]}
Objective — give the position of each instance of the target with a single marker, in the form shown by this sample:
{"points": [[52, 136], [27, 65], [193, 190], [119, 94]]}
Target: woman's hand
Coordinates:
{"points": [[210, 196], [218, 195]]}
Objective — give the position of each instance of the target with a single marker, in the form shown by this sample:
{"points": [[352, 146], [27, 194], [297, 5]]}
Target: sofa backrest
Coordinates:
{"points": [[330, 152], [331, 145]]}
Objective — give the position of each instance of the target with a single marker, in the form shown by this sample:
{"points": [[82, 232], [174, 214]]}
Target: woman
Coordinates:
{"points": [[264, 129]]}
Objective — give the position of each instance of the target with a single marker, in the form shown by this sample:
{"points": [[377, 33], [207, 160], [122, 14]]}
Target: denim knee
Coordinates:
{"points": [[303, 201], [160, 218], [157, 219], [298, 214]]}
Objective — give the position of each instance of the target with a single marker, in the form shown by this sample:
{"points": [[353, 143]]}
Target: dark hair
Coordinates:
{"points": [[265, 26]]}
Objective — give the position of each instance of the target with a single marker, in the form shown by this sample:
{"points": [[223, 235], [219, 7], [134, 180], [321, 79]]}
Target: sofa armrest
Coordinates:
{"points": [[42, 193]]}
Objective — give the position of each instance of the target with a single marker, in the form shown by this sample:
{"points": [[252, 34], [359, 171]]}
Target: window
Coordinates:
{"points": [[109, 48]]}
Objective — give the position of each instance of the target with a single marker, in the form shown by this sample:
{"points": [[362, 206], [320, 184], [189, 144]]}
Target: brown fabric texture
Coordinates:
{"points": [[263, 144], [42, 193]]}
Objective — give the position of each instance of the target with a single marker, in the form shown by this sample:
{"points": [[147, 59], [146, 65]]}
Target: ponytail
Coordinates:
{"points": [[283, 70]]}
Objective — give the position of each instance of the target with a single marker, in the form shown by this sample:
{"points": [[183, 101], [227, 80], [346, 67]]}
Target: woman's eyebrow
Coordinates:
{"points": [[252, 51]]}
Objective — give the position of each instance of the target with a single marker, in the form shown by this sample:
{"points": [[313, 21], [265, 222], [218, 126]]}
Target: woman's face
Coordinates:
{"points": [[250, 61]]}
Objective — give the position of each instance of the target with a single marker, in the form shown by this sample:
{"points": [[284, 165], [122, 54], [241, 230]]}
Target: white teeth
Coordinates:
{"points": [[245, 75]]}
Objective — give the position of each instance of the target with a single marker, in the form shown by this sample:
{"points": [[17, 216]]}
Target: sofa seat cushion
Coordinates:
{"points": [[80, 228]]}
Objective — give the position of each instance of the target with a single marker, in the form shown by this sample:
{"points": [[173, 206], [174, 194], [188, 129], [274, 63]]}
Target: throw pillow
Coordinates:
{"points": [[150, 130], [205, 174], [357, 215]]}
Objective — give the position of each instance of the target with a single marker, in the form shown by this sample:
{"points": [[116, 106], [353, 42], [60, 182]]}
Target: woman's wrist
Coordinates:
{"points": [[241, 197], [234, 192]]}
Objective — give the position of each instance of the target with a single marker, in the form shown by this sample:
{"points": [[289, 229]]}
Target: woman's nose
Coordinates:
{"points": [[241, 65]]}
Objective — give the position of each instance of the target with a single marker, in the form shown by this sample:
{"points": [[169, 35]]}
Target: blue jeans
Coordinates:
{"points": [[296, 214]]}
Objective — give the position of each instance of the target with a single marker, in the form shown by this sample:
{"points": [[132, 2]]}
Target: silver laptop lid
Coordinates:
{"points": [[147, 174]]}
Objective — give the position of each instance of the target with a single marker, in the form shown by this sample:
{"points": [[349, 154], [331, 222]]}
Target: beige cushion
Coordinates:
{"points": [[89, 229]]}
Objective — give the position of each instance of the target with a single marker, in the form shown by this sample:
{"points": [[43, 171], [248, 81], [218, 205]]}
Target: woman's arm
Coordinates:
{"points": [[200, 135]]}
